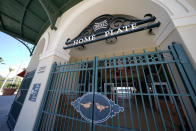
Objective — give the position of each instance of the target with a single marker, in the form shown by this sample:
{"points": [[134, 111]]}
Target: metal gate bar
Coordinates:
{"points": [[157, 95], [163, 91], [71, 72], [173, 99], [187, 78], [150, 86]]}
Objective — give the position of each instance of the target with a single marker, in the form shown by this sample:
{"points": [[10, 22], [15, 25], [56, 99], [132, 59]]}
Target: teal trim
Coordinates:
{"points": [[23, 16], [51, 11], [28, 19], [188, 68], [185, 70], [19, 99]]}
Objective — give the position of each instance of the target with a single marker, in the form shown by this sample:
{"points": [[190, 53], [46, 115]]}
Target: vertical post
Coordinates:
{"points": [[44, 97], [186, 70], [94, 85], [96, 73]]}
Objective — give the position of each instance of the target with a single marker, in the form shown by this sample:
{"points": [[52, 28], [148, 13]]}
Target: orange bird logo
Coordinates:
{"points": [[101, 107], [86, 105]]}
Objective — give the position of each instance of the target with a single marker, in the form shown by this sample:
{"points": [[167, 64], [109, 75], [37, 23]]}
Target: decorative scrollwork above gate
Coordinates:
{"points": [[109, 27], [104, 23]]}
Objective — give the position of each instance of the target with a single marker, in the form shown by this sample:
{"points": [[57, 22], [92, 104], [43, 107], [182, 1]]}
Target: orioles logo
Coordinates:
{"points": [[96, 105], [99, 106], [87, 105]]}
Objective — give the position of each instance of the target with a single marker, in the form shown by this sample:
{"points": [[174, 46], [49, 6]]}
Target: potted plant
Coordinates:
{"points": [[9, 89]]}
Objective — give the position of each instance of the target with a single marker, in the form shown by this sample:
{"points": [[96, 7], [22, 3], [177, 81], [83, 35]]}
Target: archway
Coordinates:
{"points": [[36, 55], [86, 11], [72, 22]]}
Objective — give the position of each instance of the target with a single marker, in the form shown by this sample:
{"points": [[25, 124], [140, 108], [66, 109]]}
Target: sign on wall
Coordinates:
{"points": [[34, 92], [108, 26], [42, 69]]}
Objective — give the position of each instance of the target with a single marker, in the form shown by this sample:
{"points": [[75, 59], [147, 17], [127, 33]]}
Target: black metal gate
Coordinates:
{"points": [[155, 89]]}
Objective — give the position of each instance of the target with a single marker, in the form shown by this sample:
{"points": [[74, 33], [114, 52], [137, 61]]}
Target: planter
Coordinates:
{"points": [[8, 91]]}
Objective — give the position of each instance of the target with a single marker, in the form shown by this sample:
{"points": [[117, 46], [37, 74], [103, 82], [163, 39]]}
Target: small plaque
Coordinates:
{"points": [[34, 92], [42, 69]]}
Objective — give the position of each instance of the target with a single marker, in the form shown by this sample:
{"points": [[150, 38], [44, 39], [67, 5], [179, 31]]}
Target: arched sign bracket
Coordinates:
{"points": [[109, 27]]}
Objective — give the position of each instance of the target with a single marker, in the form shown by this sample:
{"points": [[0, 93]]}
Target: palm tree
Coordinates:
{"points": [[1, 60], [10, 70]]}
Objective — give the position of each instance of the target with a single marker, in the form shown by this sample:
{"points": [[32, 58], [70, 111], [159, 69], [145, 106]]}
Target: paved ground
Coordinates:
{"points": [[5, 105]]}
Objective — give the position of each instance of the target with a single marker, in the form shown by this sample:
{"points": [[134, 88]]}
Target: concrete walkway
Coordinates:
{"points": [[5, 105]]}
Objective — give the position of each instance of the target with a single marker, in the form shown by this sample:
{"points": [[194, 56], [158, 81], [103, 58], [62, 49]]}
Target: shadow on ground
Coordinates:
{"points": [[5, 105]]}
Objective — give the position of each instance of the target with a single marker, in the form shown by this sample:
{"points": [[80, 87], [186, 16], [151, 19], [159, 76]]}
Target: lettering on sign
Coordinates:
{"points": [[85, 39], [107, 34], [121, 30], [108, 26]]}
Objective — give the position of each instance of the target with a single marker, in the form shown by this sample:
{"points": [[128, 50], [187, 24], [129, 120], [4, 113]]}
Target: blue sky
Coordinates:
{"points": [[14, 54]]}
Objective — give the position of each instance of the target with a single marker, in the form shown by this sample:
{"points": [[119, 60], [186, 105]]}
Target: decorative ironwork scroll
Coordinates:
{"points": [[29, 46], [108, 27]]}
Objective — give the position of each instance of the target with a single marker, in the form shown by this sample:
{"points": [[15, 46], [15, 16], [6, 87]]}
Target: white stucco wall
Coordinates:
{"points": [[36, 55], [192, 3], [188, 33], [181, 30]]}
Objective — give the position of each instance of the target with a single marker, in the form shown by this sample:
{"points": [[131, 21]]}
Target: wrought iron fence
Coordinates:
{"points": [[151, 87], [19, 100]]}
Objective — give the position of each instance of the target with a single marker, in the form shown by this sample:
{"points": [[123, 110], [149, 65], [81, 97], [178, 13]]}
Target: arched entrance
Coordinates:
{"points": [[142, 85], [57, 111], [86, 11], [39, 50]]}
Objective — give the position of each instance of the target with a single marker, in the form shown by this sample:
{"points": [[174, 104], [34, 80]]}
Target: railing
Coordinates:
{"points": [[19, 100], [154, 90]]}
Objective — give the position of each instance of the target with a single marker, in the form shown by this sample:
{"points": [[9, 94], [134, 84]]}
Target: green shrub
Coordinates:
{"points": [[12, 86]]}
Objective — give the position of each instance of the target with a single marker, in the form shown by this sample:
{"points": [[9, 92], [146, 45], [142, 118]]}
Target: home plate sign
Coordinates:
{"points": [[103, 107]]}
